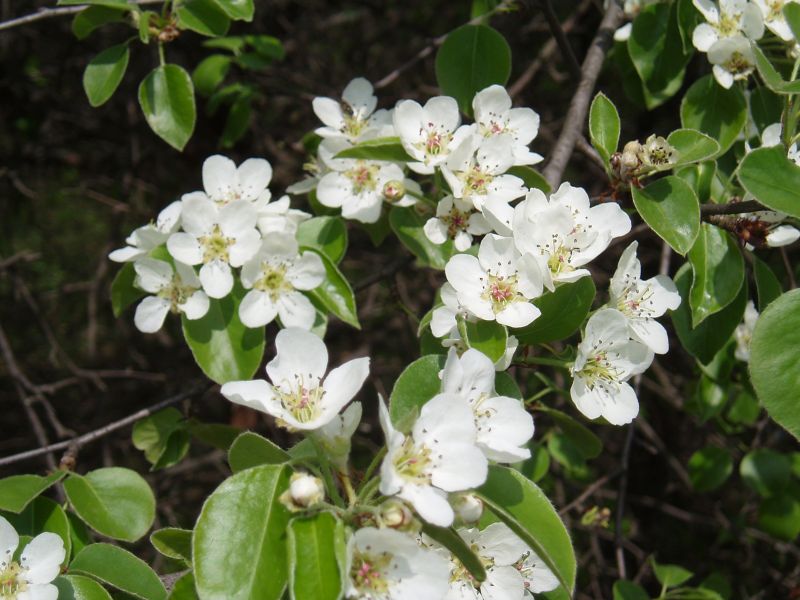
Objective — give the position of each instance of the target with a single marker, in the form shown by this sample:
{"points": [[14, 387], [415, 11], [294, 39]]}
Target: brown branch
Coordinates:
{"points": [[731, 208], [48, 13], [385, 273], [561, 39], [620, 513], [579, 107], [589, 491]]}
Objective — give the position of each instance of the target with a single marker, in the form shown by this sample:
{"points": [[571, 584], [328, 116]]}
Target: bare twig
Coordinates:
{"points": [[589, 491], [623, 488], [731, 208], [561, 39], [48, 13], [23, 256], [385, 273], [578, 108]]}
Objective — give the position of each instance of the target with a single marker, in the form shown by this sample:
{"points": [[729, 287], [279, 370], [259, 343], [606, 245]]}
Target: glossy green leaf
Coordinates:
{"points": [[184, 588], [537, 465], [17, 491], [385, 148], [251, 450], [472, 58], [670, 575], [317, 557], [120, 569], [627, 590], [604, 126], [488, 337], [531, 178], [222, 346], [563, 312], [162, 437], [715, 111], [772, 179], [104, 73], [42, 514], [211, 72], [671, 209], [449, 538], [767, 284], [78, 533], [418, 383], [327, 235], [238, 10], [78, 587], [506, 385], [166, 96], [709, 468], [568, 455], [791, 12], [237, 121], [335, 294], [204, 17], [93, 17], [407, 223], [239, 543], [688, 18], [521, 505], [173, 543], [587, 442], [113, 501], [692, 146], [765, 106], [718, 269], [780, 516], [214, 434], [766, 471], [771, 76]]}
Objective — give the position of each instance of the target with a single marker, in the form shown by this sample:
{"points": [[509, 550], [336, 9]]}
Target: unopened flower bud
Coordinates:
{"points": [[305, 491], [396, 514], [394, 190], [468, 508]]}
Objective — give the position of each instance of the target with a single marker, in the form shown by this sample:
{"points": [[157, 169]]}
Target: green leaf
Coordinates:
{"points": [[166, 96], [772, 178], [104, 73], [449, 538], [214, 434], [718, 269], [771, 76], [711, 109], [506, 385], [78, 587], [184, 588], [43, 514], [238, 120], [239, 543], [418, 383], [767, 284], [89, 19], [671, 209], [708, 338], [78, 533], [159, 434], [335, 294], [173, 543], [700, 178], [765, 106], [204, 17], [766, 471], [792, 14], [521, 505], [627, 590], [222, 346], [251, 450], [670, 575], [568, 455], [709, 468], [17, 491], [327, 235], [531, 178], [780, 517], [584, 440], [238, 10], [688, 18], [472, 58], [120, 569], [407, 223], [113, 501], [604, 126], [488, 337], [537, 465], [317, 557], [563, 312], [211, 72], [385, 148], [692, 146], [123, 292]]}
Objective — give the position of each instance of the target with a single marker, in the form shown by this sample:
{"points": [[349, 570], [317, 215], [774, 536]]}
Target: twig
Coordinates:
{"points": [[47, 13], [589, 491], [561, 39], [623, 488], [578, 108], [385, 273], [22, 256], [731, 208], [102, 431]]}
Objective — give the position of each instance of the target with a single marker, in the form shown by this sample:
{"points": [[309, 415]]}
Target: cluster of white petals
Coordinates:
{"points": [[39, 564], [744, 332]]}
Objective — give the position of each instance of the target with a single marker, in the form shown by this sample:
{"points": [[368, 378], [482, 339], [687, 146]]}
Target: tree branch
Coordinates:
{"points": [[731, 208], [59, 11], [561, 39]]}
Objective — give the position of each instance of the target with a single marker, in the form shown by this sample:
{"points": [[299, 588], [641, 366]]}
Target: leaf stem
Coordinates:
{"points": [[161, 58]]}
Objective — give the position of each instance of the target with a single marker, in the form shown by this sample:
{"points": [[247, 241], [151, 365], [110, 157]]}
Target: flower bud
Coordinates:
{"points": [[468, 508], [305, 491], [396, 514], [394, 190]]}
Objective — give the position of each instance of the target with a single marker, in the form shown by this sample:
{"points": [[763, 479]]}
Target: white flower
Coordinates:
{"points": [[334, 438], [503, 425], [297, 396], [279, 217], [354, 118], [563, 233], [607, 358], [643, 301], [439, 456], [536, 575], [274, 276], [744, 332], [497, 285], [39, 564], [384, 564], [728, 18], [144, 239], [453, 340], [444, 318], [175, 290], [774, 19], [476, 171], [455, 219], [225, 183], [217, 238], [305, 491], [468, 507], [495, 117], [733, 59], [429, 133]]}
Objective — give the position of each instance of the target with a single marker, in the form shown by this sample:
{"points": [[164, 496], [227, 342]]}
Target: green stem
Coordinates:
{"points": [[161, 58], [348, 488], [376, 460], [550, 362], [368, 491], [327, 477]]}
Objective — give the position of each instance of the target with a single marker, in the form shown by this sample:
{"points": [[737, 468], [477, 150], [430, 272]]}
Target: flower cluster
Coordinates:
{"points": [[30, 577]]}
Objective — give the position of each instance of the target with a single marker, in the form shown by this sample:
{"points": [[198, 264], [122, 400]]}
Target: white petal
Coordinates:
{"points": [[185, 248], [343, 383], [216, 278], [244, 248], [652, 334], [150, 314], [257, 309], [443, 112], [334, 189], [329, 112], [299, 353], [518, 314], [308, 272], [704, 36], [219, 176], [431, 504], [9, 540], [253, 394], [152, 275], [237, 218], [39, 592], [254, 176], [196, 306], [358, 94], [198, 215], [41, 559], [295, 310], [782, 235], [436, 230]]}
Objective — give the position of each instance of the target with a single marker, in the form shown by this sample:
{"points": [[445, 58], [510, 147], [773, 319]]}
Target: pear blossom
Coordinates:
{"points": [[642, 301], [771, 136], [476, 171], [146, 238], [744, 332], [224, 182], [385, 564], [607, 358], [536, 575], [495, 117], [334, 438], [774, 19], [440, 455], [445, 318], [725, 19], [430, 133], [563, 233], [317, 166], [732, 59], [297, 395], [354, 118], [218, 238], [275, 277], [454, 340], [630, 9], [39, 564], [457, 220], [497, 285], [174, 290], [503, 425], [657, 152], [468, 507], [305, 491], [279, 217]]}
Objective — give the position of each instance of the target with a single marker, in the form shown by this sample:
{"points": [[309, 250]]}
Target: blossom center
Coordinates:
{"points": [[273, 280], [500, 291], [215, 245], [412, 462], [598, 371], [476, 181], [456, 221], [364, 177], [635, 301], [435, 141], [367, 573], [176, 292], [304, 403], [354, 124], [458, 572], [559, 261], [11, 582], [738, 65], [728, 24]]}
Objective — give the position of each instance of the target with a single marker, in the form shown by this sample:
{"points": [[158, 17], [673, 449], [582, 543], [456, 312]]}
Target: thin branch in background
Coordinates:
{"points": [[730, 208], [589, 491], [387, 272], [620, 513], [561, 39], [60, 11]]}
